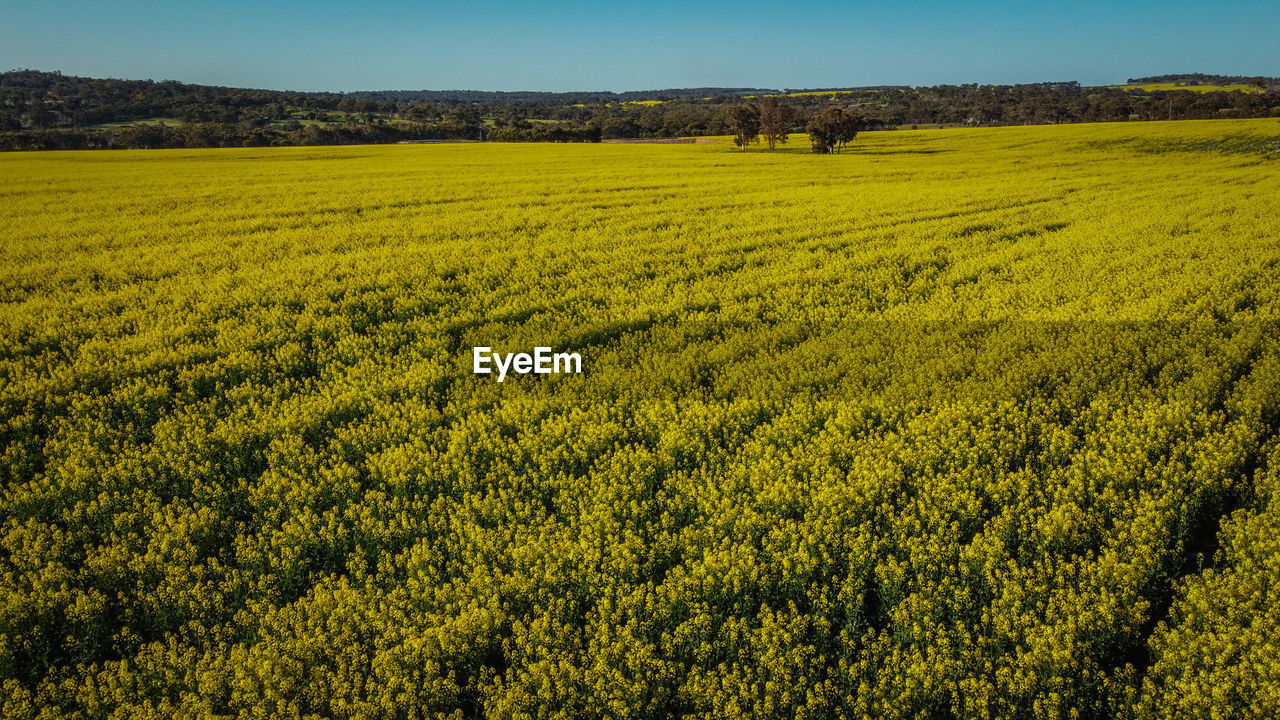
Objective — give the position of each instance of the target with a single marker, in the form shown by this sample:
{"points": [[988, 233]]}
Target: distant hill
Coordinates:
{"points": [[1204, 79], [177, 91], [531, 96], [817, 91], [49, 110]]}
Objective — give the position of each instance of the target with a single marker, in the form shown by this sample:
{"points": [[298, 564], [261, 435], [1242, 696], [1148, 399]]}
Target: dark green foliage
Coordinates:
{"points": [[744, 123], [776, 120], [832, 129]]}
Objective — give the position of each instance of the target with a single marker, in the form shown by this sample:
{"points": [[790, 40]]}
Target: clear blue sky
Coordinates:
{"points": [[498, 45]]}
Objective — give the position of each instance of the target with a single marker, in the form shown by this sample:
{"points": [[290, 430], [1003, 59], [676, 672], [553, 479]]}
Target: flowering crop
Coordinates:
{"points": [[973, 423]]}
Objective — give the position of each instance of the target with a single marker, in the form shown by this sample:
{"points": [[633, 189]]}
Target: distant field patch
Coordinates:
{"points": [[1162, 87], [155, 122], [817, 93]]}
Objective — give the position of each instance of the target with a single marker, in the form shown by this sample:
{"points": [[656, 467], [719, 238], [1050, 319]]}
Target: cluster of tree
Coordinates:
{"points": [[829, 130], [46, 110], [545, 132]]}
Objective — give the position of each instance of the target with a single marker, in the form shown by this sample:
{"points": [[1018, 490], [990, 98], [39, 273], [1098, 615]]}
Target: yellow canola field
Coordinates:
{"points": [[972, 423], [1161, 87], [816, 93], [1043, 222]]}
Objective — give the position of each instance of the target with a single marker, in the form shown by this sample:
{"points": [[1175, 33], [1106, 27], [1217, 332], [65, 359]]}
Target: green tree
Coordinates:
{"points": [[744, 122], [775, 120], [832, 129]]}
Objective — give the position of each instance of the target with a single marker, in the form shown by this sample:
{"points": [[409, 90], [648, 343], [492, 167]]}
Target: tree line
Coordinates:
{"points": [[41, 110]]}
